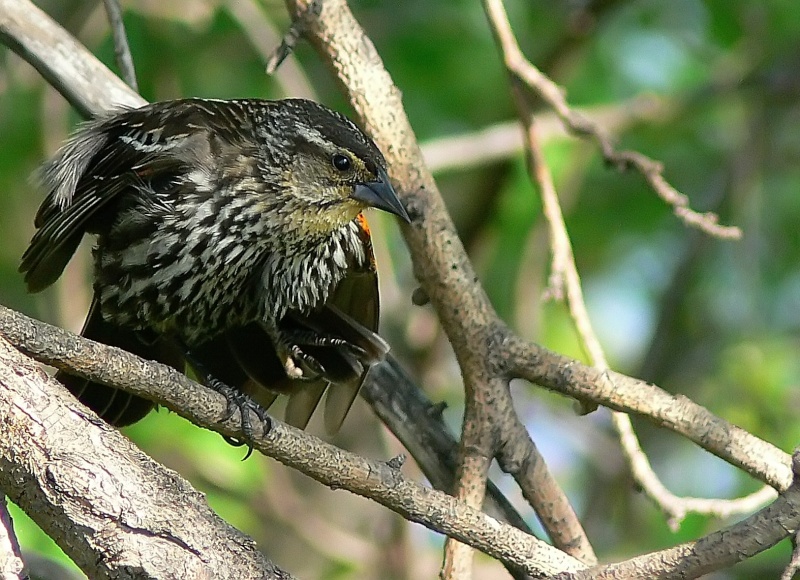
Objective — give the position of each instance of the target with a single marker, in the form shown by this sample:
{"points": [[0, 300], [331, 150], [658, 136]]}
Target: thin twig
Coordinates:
{"points": [[504, 141], [263, 35], [532, 78], [122, 51], [676, 508], [296, 30], [794, 564]]}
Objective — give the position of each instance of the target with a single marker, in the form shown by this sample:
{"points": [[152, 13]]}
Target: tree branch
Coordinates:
{"points": [[85, 82], [504, 141], [99, 506], [720, 549], [122, 50], [677, 413]]}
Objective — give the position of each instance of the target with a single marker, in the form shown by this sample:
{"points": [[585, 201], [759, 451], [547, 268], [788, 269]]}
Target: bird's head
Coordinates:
{"points": [[334, 171]]}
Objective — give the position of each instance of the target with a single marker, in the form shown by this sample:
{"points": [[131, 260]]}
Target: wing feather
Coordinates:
{"points": [[99, 164]]}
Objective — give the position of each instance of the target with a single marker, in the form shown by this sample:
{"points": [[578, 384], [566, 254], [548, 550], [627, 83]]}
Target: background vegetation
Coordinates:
{"points": [[712, 89]]}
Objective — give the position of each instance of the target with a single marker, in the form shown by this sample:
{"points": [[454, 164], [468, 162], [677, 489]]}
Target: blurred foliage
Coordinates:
{"points": [[718, 321]]}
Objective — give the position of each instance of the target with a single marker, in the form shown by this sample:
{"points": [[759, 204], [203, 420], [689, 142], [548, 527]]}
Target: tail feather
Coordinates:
{"points": [[303, 402]]}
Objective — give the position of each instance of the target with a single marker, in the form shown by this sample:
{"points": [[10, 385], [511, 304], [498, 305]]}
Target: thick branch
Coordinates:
{"points": [[99, 506]]}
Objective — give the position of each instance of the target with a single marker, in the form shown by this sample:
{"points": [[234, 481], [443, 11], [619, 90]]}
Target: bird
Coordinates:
{"points": [[231, 242]]}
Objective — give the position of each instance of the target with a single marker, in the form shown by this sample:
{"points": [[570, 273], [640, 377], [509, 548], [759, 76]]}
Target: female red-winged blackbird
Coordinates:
{"points": [[230, 237]]}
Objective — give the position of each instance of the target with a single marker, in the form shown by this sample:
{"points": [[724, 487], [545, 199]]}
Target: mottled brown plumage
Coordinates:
{"points": [[230, 235]]}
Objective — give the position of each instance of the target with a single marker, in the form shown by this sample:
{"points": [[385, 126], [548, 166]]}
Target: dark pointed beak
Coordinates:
{"points": [[380, 194]]}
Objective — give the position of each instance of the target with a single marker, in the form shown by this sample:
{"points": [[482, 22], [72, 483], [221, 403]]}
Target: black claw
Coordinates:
{"points": [[356, 350], [236, 399], [233, 441]]}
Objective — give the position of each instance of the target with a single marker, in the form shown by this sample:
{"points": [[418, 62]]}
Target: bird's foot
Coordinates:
{"points": [[236, 399], [311, 338], [301, 365]]}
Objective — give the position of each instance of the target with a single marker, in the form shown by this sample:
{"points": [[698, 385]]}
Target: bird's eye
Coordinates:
{"points": [[341, 162]]}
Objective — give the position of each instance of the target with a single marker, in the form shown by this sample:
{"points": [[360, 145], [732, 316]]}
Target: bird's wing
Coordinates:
{"points": [[83, 177], [356, 305], [104, 159], [352, 314]]}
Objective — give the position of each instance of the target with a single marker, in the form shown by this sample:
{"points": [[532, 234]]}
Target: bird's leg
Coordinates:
{"points": [[236, 399]]}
